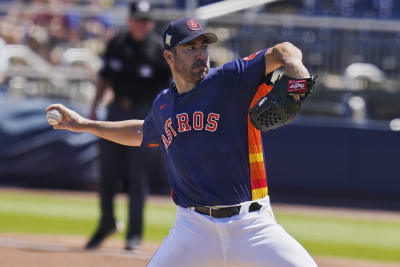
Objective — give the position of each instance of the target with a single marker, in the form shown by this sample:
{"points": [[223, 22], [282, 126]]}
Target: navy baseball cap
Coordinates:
{"points": [[140, 10], [184, 30]]}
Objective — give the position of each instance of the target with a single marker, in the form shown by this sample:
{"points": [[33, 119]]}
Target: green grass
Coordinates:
{"points": [[345, 237], [22, 212], [372, 238]]}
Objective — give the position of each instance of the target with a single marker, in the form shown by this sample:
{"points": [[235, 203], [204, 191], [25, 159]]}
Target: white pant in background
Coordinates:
{"points": [[249, 239]]}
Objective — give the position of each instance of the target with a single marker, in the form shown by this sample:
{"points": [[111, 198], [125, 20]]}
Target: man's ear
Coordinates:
{"points": [[168, 56]]}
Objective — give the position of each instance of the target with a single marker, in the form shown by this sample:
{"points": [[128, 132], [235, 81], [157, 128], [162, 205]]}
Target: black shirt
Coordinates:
{"points": [[136, 70]]}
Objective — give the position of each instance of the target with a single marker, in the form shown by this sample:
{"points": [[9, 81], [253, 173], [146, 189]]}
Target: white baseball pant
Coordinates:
{"points": [[250, 239]]}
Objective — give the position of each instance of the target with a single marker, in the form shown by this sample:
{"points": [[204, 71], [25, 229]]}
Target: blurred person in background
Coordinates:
{"points": [[3, 61], [135, 71]]}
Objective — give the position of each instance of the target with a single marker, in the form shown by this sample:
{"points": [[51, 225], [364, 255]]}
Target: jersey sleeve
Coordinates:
{"points": [[149, 133], [246, 74]]}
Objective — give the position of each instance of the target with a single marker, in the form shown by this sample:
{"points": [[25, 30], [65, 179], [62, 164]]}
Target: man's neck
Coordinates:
{"points": [[183, 86]]}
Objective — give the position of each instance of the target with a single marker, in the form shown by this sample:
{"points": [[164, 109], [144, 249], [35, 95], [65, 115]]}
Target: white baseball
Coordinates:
{"points": [[54, 117]]}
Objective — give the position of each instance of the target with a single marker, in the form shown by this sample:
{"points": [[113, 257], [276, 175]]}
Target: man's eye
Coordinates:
{"points": [[190, 47]]}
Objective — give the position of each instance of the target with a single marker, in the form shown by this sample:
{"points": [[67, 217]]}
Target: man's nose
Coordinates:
{"points": [[202, 54]]}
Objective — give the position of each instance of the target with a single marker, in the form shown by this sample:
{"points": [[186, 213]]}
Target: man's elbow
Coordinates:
{"points": [[286, 51]]}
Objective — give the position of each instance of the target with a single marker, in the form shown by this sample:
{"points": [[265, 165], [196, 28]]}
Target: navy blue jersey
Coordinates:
{"points": [[213, 154]]}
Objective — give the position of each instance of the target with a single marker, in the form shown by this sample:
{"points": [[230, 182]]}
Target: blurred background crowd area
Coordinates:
{"points": [[54, 47], [51, 51]]}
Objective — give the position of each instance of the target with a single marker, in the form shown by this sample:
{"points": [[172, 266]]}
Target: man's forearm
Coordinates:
{"points": [[127, 132], [286, 55]]}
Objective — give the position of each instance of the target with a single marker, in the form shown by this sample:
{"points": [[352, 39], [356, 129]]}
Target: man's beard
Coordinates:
{"points": [[197, 77], [199, 70], [195, 73]]}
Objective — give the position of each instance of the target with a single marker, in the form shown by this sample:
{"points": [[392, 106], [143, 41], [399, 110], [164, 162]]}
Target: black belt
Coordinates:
{"points": [[226, 212]]}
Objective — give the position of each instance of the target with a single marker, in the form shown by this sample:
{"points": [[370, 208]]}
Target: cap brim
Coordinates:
{"points": [[210, 38], [141, 15]]}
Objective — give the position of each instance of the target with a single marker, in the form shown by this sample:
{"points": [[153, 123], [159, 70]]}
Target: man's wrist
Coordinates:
{"points": [[87, 125], [294, 68]]}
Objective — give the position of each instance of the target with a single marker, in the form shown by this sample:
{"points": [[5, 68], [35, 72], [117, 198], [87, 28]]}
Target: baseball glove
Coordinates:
{"points": [[278, 107]]}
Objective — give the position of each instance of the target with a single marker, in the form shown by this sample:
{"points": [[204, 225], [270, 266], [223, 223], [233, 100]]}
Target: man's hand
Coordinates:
{"points": [[297, 97], [72, 121], [290, 57]]}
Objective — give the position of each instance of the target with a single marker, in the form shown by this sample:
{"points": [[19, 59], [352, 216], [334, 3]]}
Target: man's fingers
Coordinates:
{"points": [[296, 97], [54, 106], [61, 108]]}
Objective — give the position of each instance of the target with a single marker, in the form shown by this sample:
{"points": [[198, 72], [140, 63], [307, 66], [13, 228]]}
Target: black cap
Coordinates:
{"points": [[140, 10], [184, 30]]}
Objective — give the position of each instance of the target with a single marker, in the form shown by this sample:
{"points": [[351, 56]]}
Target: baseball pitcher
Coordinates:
{"points": [[208, 123]]}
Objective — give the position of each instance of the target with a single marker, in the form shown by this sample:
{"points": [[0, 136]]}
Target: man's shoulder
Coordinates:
{"points": [[119, 39], [153, 45], [214, 73], [155, 39], [162, 96], [121, 36]]}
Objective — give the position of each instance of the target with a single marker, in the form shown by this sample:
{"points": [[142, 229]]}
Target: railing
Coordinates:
{"points": [[31, 75], [353, 57]]}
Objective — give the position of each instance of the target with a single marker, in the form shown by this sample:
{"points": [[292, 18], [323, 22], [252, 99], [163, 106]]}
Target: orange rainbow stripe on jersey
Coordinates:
{"points": [[258, 174]]}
